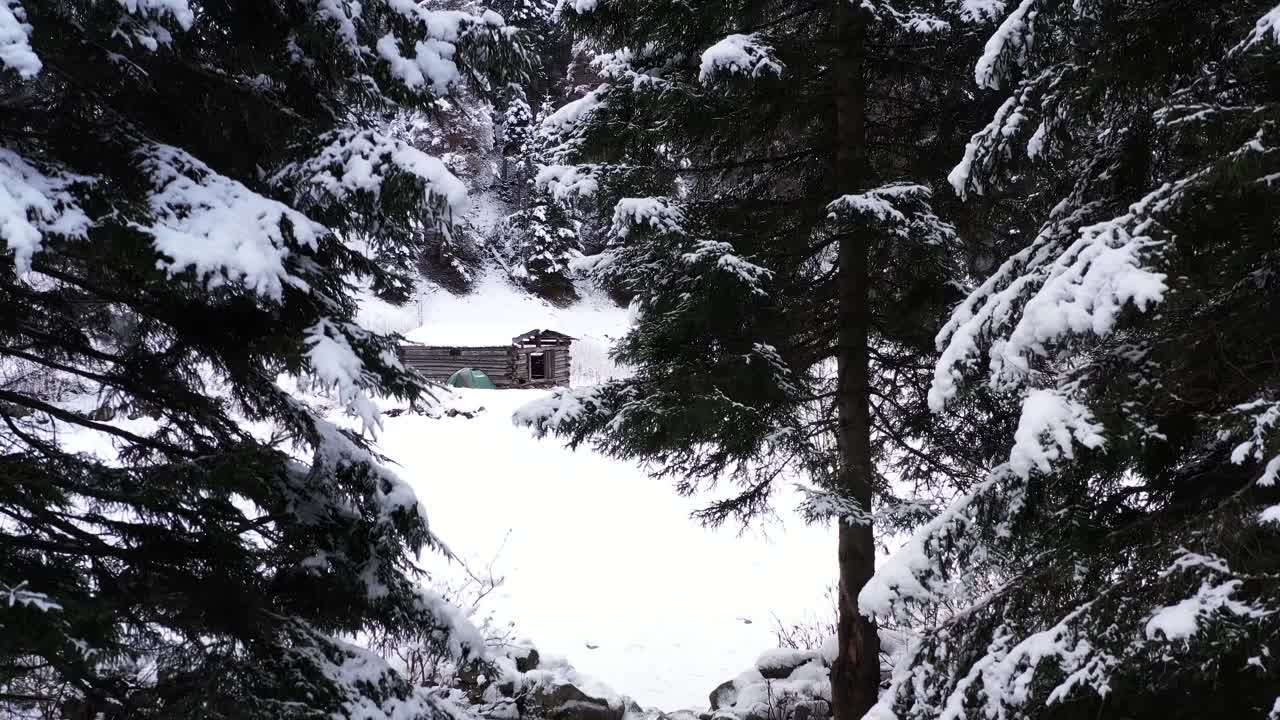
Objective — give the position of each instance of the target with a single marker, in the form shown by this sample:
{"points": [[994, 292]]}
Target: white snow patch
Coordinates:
{"points": [[565, 182], [1048, 427], [738, 55], [1181, 621], [360, 161], [1011, 42], [656, 212], [179, 10], [336, 364], [497, 311], [981, 10], [581, 7], [574, 564], [431, 64], [15, 41], [1076, 291], [218, 228], [33, 203], [1035, 146], [785, 658], [1267, 29], [574, 112]]}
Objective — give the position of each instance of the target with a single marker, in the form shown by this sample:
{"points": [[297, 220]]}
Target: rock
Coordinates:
{"points": [[554, 697], [811, 710], [507, 688], [526, 658], [500, 711], [779, 664], [724, 695], [567, 702], [586, 710]]}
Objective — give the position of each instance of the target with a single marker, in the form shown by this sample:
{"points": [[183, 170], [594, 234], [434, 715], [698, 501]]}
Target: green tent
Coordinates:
{"points": [[471, 378]]}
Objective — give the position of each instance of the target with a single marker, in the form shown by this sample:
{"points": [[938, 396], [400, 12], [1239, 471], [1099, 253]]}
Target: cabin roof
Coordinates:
{"points": [[536, 336]]}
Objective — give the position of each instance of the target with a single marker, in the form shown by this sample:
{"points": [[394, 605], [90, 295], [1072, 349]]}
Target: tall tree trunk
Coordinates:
{"points": [[855, 675]]}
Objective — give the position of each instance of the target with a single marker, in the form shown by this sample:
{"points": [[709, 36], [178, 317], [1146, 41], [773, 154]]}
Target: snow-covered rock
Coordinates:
{"points": [[529, 686], [785, 683]]}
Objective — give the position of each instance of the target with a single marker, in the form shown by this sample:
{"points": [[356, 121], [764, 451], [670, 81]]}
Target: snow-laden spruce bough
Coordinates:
{"points": [[191, 194], [1117, 557], [1128, 543]]}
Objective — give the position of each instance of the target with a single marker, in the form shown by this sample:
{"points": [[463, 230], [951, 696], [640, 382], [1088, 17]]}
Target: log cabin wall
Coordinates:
{"points": [[556, 374], [508, 366], [438, 363]]}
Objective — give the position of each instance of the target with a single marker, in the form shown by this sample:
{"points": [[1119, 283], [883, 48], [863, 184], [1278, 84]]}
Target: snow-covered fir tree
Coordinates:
{"points": [[767, 168], [541, 245], [541, 241], [191, 195], [1122, 559]]}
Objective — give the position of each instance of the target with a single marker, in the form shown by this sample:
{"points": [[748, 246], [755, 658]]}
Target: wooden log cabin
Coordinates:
{"points": [[538, 358]]}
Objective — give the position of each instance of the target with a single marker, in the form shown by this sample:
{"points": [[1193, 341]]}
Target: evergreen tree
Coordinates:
{"points": [[1129, 537], [541, 241], [763, 164], [191, 194]]}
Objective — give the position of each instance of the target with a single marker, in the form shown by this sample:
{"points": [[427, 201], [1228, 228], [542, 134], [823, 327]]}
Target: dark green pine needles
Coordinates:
{"points": [[190, 195]]}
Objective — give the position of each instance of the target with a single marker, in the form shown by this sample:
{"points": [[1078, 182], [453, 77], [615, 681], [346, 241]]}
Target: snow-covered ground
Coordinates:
{"points": [[600, 555], [602, 564]]}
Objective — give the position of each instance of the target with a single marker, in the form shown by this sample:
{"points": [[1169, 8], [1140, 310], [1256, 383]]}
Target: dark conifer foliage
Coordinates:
{"points": [[1129, 539], [190, 194], [769, 168]]}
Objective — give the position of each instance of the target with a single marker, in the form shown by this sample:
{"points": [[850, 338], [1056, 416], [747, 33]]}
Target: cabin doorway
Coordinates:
{"points": [[538, 366]]}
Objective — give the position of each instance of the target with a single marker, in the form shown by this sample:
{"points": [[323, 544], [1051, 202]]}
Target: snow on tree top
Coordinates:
{"points": [[573, 113], [15, 41], [360, 161], [179, 10], [738, 54], [1266, 29], [1048, 427], [656, 212], [217, 227], [1011, 43], [982, 10], [33, 203]]}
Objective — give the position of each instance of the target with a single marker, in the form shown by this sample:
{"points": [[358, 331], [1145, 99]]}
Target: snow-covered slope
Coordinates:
{"points": [[603, 564], [493, 313]]}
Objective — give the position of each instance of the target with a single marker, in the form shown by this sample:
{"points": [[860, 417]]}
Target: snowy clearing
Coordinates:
{"points": [[601, 555]]}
